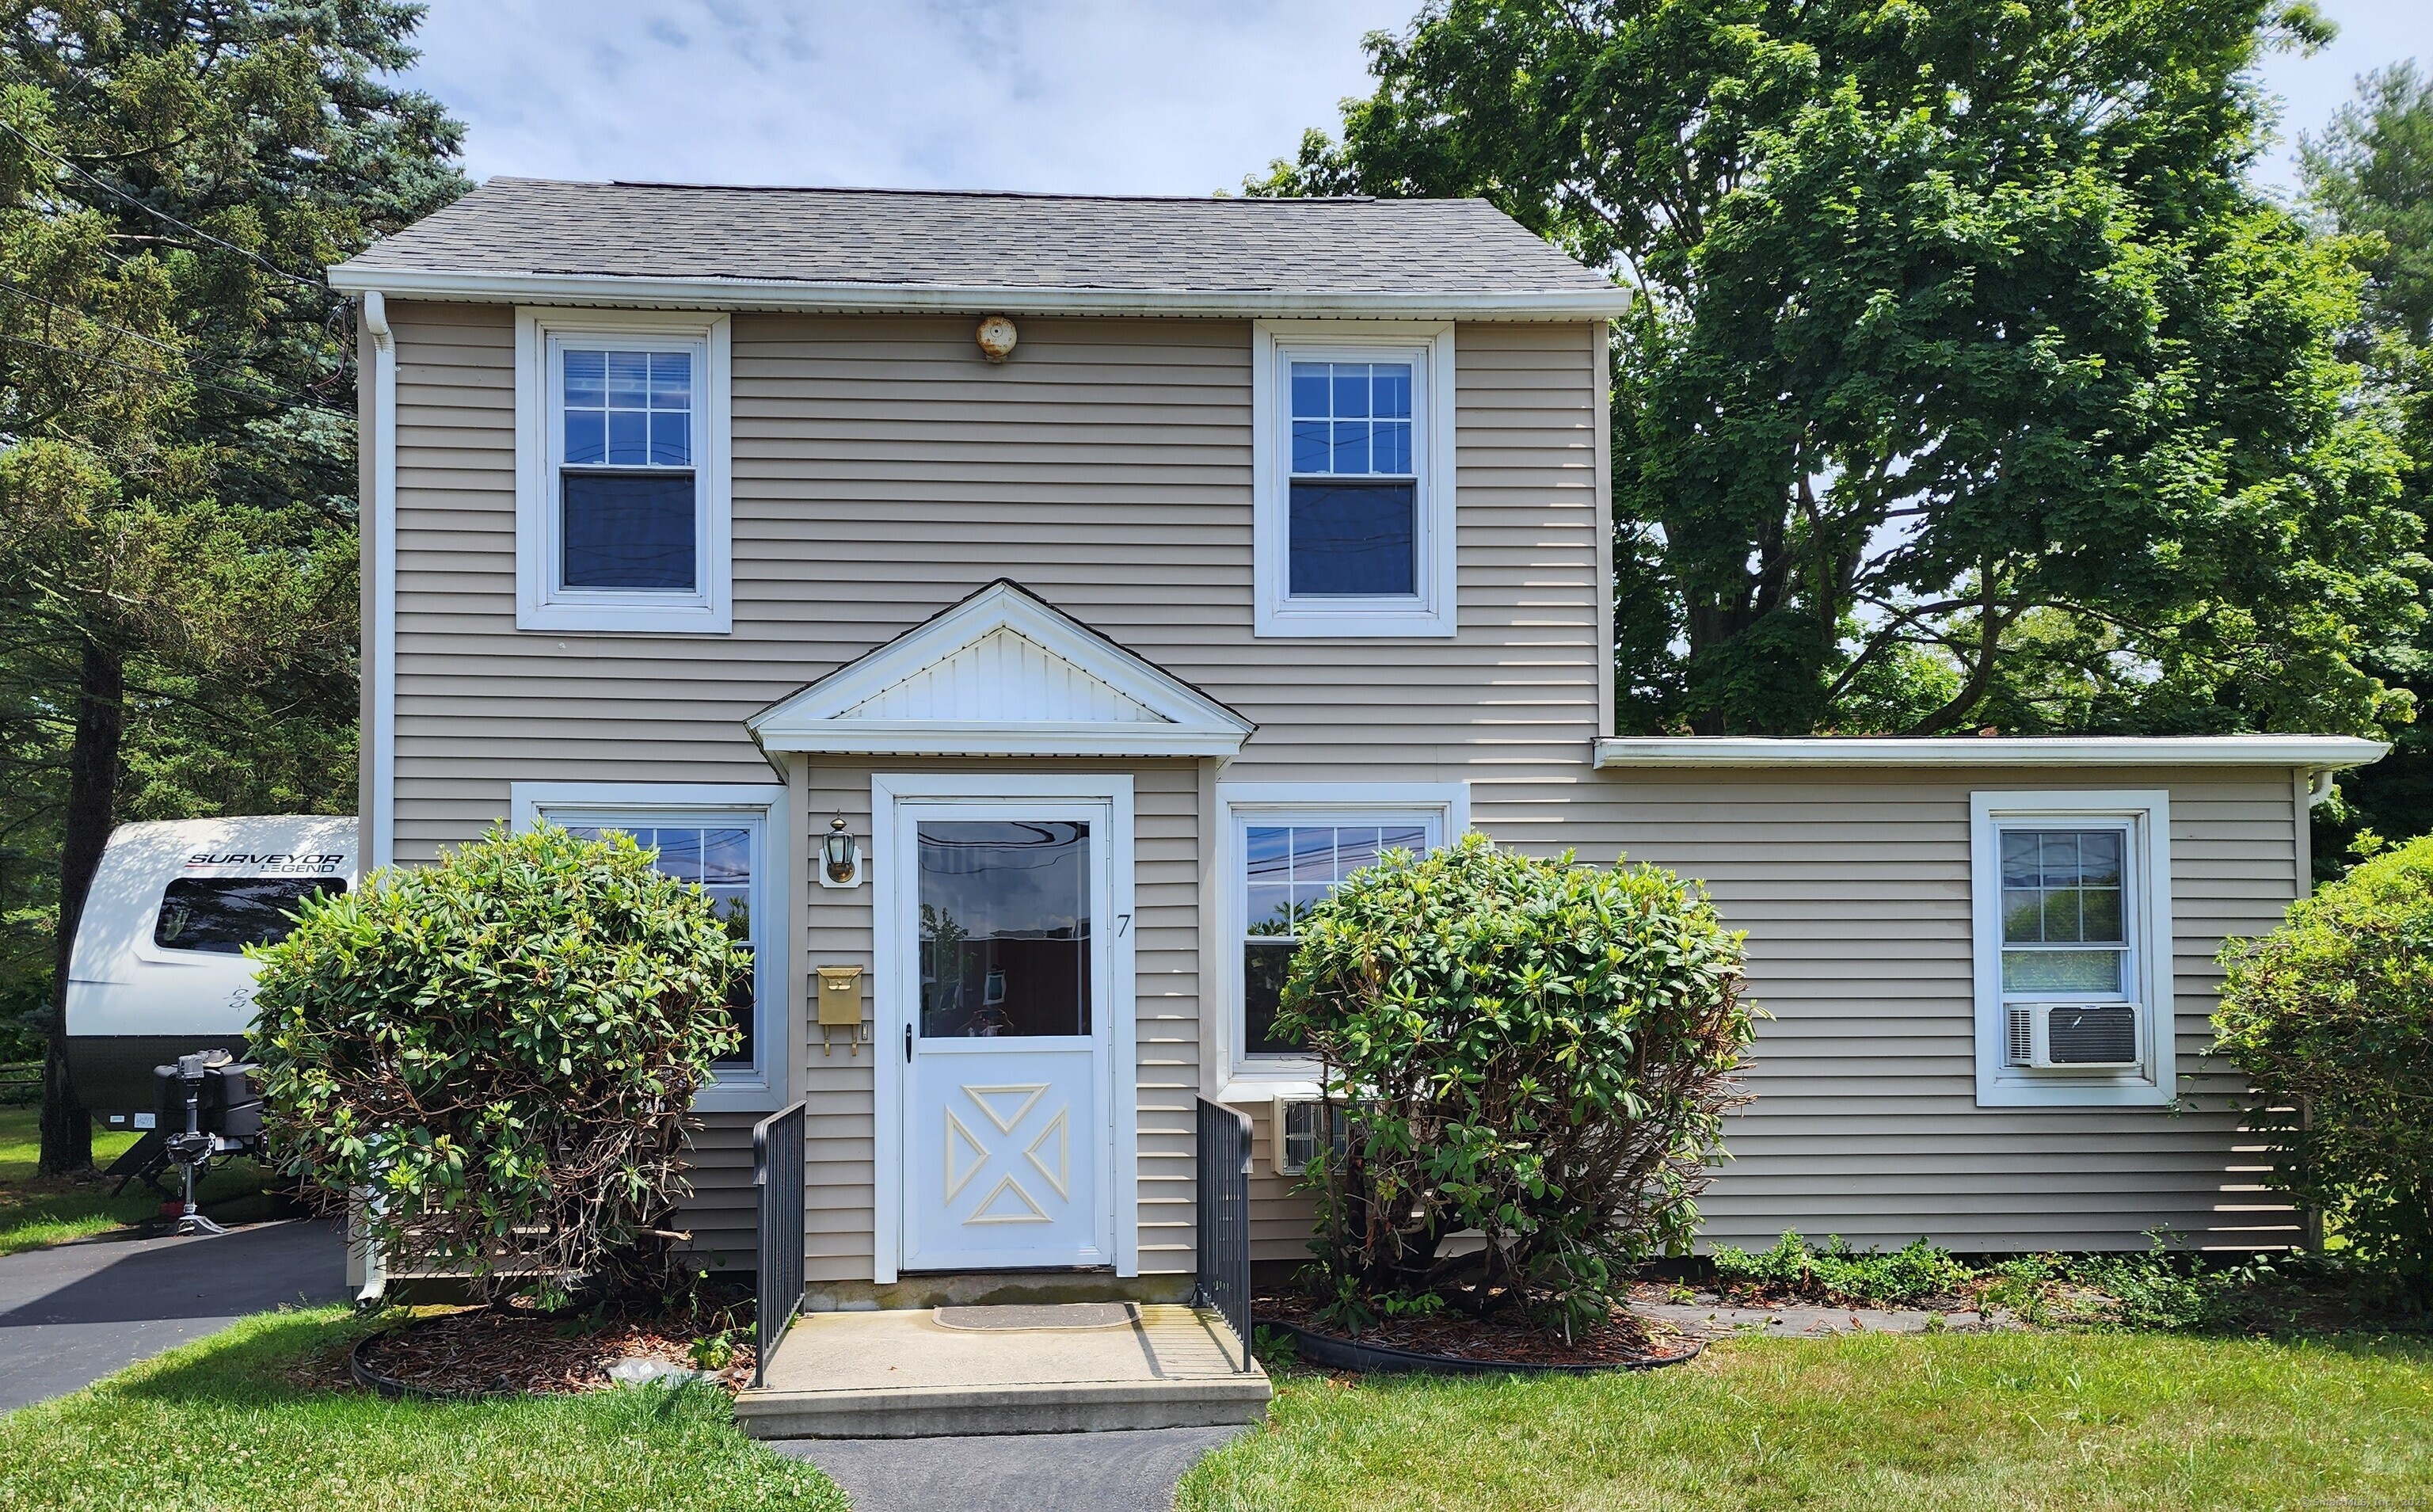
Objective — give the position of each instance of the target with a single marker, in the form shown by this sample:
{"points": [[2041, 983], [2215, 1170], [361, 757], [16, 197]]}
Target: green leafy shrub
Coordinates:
{"points": [[1538, 1051], [1841, 1275], [2331, 1018], [503, 1049]]}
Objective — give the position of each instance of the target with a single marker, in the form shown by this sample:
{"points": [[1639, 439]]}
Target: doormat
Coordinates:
{"points": [[1022, 1317]]}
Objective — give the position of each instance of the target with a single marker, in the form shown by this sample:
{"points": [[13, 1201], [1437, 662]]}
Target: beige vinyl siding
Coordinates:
{"points": [[883, 471], [839, 1209], [1854, 891], [723, 1214]]}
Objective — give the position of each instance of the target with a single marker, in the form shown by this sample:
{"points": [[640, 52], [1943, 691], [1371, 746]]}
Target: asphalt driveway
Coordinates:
{"points": [[72, 1314]]}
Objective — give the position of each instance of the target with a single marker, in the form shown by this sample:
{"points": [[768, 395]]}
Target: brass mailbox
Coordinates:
{"points": [[841, 1005]]}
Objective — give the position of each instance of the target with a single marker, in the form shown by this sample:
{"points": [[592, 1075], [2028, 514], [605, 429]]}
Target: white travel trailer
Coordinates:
{"points": [[159, 969]]}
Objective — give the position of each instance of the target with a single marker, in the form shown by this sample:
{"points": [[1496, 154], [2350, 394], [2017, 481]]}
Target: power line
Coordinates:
{"points": [[184, 359], [24, 293], [250, 255], [255, 395]]}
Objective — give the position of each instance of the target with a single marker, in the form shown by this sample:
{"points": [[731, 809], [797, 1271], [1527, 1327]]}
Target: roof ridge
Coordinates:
{"points": [[972, 193]]}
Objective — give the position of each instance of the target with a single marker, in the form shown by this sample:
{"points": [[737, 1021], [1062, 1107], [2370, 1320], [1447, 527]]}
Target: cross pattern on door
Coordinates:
{"points": [[994, 1136]]}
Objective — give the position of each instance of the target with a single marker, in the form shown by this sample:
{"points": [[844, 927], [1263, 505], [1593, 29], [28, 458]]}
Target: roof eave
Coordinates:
{"points": [[915, 738], [813, 297], [2315, 752]]}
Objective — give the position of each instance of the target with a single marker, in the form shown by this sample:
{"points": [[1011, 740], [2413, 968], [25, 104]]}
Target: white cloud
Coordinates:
{"points": [[1160, 97], [1086, 95]]}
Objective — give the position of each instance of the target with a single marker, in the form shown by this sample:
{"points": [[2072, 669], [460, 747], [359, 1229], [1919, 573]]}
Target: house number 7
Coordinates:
{"points": [[1123, 925]]}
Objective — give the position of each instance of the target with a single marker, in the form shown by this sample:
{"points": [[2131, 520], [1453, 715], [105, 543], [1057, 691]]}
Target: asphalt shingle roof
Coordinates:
{"points": [[912, 239]]}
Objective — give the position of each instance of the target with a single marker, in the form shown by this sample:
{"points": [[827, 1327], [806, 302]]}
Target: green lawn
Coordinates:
{"points": [[34, 1212], [236, 1421], [2028, 1421]]}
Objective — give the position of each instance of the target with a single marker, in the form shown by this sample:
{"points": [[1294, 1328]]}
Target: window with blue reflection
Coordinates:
{"points": [[1288, 870], [1353, 507], [626, 485], [717, 858]]}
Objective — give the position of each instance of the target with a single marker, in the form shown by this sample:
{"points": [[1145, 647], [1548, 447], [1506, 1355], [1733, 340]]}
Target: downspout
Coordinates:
{"points": [[367, 1268], [380, 739], [2320, 788]]}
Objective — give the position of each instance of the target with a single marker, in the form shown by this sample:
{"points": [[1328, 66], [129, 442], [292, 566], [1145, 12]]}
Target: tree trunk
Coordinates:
{"points": [[93, 783]]}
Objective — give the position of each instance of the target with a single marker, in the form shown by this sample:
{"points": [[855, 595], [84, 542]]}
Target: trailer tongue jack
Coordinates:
{"points": [[208, 1099]]}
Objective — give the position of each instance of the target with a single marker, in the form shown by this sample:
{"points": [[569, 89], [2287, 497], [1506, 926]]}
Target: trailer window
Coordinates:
{"points": [[224, 914]]}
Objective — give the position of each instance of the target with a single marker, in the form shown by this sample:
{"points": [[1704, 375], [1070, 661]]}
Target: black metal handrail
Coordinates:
{"points": [[778, 1178], [1224, 1179]]}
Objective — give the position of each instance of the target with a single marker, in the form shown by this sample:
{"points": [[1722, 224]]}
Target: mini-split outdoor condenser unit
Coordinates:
{"points": [[2073, 1036]]}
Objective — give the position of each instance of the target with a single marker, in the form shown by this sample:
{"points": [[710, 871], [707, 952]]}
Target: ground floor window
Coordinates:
{"points": [[1287, 849], [729, 842], [2072, 922]]}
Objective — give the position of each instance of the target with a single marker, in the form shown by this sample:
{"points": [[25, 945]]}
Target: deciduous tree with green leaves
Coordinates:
{"points": [[2370, 177], [1969, 380], [177, 518]]}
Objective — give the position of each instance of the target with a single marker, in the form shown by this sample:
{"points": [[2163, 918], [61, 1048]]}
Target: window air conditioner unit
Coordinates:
{"points": [[2075, 1036]]}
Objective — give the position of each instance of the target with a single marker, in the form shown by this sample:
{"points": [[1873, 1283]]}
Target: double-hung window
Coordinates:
{"points": [[1291, 863], [729, 842], [2072, 944], [1288, 847], [1353, 527], [624, 518]]}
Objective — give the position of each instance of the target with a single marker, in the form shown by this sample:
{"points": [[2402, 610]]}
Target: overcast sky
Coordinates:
{"points": [[1092, 96]]}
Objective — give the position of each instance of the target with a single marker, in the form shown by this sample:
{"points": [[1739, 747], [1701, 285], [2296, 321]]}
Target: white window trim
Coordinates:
{"points": [[1435, 611], [2148, 857], [540, 605], [733, 1090], [1241, 1077]]}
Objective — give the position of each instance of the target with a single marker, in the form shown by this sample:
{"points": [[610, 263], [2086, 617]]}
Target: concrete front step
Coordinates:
{"points": [[901, 1374]]}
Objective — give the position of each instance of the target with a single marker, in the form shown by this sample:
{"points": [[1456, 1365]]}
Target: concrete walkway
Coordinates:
{"points": [[1127, 1472], [957, 1371], [73, 1313]]}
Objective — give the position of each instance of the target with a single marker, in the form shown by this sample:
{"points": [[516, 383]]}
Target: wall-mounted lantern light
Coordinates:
{"points": [[840, 856]]}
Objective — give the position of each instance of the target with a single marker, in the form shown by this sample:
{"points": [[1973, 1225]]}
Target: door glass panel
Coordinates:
{"points": [[1005, 928]]}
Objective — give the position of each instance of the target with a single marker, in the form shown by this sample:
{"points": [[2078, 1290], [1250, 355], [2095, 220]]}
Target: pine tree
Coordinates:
{"points": [[176, 517]]}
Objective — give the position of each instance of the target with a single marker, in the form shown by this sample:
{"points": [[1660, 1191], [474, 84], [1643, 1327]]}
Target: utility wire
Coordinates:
{"points": [[107, 188], [254, 395], [22, 292]]}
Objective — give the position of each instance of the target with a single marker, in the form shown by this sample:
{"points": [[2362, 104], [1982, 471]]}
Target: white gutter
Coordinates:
{"points": [[2320, 753], [811, 296], [380, 736]]}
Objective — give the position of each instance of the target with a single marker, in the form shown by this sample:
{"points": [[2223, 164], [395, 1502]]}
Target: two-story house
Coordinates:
{"points": [[1038, 602]]}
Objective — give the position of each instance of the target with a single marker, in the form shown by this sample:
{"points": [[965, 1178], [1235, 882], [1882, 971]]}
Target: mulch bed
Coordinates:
{"points": [[482, 1351], [1622, 1339]]}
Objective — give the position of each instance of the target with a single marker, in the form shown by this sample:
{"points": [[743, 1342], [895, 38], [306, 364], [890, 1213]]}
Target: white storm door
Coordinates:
{"points": [[1005, 1034]]}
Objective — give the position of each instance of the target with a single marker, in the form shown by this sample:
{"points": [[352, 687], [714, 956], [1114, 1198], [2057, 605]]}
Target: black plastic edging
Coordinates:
{"points": [[389, 1386]]}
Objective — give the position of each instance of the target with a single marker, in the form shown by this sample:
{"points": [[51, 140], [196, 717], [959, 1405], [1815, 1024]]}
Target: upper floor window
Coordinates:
{"points": [[1354, 503], [1353, 496], [2072, 924], [623, 520], [629, 505]]}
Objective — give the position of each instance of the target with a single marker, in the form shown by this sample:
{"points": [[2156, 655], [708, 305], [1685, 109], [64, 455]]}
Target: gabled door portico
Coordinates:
{"points": [[1004, 1101]]}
